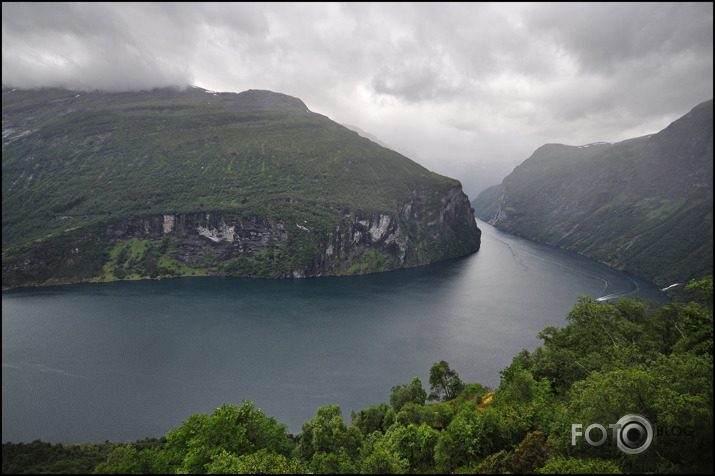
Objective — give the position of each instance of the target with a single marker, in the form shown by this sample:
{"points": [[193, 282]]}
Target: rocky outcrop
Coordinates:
{"points": [[433, 225], [106, 186]]}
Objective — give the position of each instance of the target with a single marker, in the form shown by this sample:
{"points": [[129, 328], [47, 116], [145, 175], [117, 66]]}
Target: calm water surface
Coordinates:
{"points": [[129, 360]]}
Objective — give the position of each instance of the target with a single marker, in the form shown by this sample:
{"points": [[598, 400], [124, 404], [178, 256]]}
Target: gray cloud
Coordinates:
{"points": [[605, 36], [90, 46], [466, 89]]}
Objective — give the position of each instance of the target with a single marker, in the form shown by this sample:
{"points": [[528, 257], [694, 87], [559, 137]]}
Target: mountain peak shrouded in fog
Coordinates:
{"points": [[466, 89]]}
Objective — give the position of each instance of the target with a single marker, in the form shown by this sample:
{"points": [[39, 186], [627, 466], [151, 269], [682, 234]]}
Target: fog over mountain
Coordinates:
{"points": [[467, 90], [643, 205]]}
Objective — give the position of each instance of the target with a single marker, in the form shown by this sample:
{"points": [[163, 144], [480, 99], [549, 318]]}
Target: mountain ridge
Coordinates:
{"points": [[643, 205], [79, 166]]}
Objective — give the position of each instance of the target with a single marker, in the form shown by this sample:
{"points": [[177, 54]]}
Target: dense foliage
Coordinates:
{"points": [[612, 359]]}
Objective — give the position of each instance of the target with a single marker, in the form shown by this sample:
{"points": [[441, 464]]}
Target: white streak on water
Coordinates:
{"points": [[621, 293]]}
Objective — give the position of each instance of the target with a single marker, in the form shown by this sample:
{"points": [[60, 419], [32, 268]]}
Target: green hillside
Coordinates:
{"points": [[75, 160], [644, 205], [104, 156]]}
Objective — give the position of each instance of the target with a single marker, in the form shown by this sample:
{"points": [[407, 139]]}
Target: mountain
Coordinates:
{"points": [[366, 135], [644, 205], [104, 186]]}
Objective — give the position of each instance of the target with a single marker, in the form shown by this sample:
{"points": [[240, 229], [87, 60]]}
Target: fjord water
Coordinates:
{"points": [[128, 360]]}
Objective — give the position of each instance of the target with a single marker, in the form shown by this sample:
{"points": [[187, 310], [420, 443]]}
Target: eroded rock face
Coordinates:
{"points": [[283, 191], [434, 224]]}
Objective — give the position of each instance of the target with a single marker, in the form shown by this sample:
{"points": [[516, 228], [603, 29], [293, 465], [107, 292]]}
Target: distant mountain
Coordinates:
{"points": [[103, 186], [643, 205]]}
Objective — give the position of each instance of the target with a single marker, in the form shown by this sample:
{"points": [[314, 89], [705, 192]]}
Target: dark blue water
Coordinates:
{"points": [[129, 360]]}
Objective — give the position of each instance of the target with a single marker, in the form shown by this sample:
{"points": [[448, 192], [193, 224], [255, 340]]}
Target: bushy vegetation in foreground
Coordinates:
{"points": [[629, 357]]}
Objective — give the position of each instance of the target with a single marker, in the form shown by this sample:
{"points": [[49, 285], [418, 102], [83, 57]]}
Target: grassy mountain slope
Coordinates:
{"points": [[96, 156], [644, 205], [76, 160]]}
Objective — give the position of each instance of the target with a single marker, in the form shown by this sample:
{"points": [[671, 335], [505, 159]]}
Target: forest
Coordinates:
{"points": [[624, 387]]}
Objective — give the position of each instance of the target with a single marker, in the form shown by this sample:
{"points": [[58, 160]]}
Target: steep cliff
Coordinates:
{"points": [[643, 205], [166, 183]]}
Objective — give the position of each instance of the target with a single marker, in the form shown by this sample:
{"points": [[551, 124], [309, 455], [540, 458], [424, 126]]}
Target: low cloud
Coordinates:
{"points": [[466, 89]]}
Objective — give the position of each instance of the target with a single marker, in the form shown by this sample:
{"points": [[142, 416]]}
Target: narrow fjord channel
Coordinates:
{"points": [[128, 360]]}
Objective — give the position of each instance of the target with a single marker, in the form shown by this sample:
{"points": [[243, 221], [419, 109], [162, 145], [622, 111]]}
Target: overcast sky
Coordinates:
{"points": [[468, 90]]}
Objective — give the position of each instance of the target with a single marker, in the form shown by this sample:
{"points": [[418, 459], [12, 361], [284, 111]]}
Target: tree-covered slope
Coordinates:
{"points": [[74, 163], [643, 205]]}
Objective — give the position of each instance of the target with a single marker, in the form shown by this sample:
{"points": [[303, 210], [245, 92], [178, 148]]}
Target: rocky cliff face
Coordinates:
{"points": [[105, 186], [434, 224], [644, 205]]}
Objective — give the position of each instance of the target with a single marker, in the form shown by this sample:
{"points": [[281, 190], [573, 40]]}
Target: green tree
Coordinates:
{"points": [[533, 453], [236, 430], [407, 393], [339, 462], [472, 392], [375, 418], [704, 287], [443, 415], [378, 457], [698, 319], [599, 335], [521, 405], [471, 436], [517, 387], [414, 414], [444, 382], [129, 460], [327, 443], [673, 391], [261, 462], [415, 444]]}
